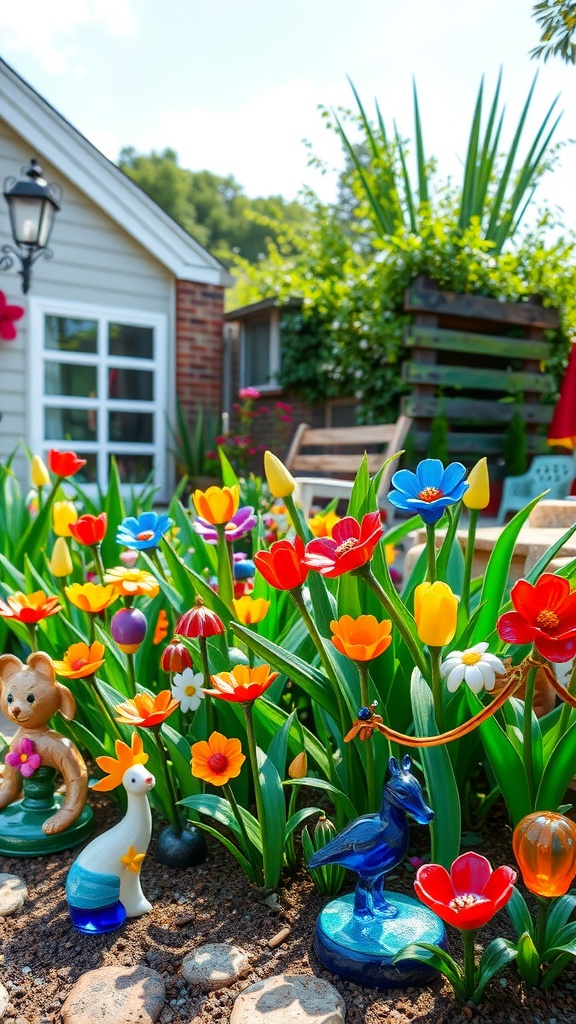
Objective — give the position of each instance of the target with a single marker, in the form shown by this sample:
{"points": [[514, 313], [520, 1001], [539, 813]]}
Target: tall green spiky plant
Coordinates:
{"points": [[495, 191]]}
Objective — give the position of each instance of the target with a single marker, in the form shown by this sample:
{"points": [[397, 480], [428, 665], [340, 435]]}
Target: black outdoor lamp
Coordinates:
{"points": [[32, 205]]}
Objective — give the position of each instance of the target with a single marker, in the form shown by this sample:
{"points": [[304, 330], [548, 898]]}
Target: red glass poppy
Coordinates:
{"points": [[283, 565], [200, 621], [64, 463], [89, 530], [470, 895], [350, 546], [545, 615]]}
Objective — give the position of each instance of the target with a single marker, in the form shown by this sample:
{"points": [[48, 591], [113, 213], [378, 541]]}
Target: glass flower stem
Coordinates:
{"points": [[290, 844], [253, 753], [431, 551], [298, 599], [436, 661], [527, 729], [469, 557], [297, 521], [32, 634], [369, 578], [40, 497], [98, 563], [369, 742], [155, 558], [225, 583], [131, 674], [248, 848], [468, 938], [210, 717], [173, 815]]}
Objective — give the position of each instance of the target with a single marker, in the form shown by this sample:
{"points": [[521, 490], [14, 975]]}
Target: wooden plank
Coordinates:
{"points": [[378, 434], [479, 344], [333, 465], [418, 299], [476, 378], [477, 444], [476, 411]]}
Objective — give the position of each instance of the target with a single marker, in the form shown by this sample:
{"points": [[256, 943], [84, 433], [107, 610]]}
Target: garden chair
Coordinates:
{"points": [[553, 472], [327, 457]]}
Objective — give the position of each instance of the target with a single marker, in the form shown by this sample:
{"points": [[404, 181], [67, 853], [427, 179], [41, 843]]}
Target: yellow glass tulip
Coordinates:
{"points": [[250, 610], [38, 473], [280, 481], [298, 768], [61, 562], [478, 494], [435, 611], [217, 505], [63, 513]]}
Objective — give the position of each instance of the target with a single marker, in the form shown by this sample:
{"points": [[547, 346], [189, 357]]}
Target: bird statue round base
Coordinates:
{"points": [[358, 935]]}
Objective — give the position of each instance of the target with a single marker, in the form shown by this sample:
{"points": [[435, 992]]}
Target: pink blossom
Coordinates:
{"points": [[129, 558], [24, 758], [248, 393]]}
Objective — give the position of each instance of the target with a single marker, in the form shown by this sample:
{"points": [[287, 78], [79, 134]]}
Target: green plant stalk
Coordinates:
{"points": [[431, 551], [369, 742], [225, 582], [296, 518], [172, 812], [131, 674], [32, 634], [103, 705], [290, 843], [155, 558], [566, 709], [39, 494], [210, 718], [527, 731], [249, 849], [469, 963], [298, 599], [469, 557], [436, 661], [98, 563], [369, 578], [542, 908], [247, 709]]}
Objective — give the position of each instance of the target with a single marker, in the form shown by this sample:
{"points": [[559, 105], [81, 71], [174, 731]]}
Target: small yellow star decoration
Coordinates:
{"points": [[133, 860]]}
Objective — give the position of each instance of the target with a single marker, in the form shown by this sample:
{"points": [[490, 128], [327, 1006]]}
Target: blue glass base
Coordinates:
{"points": [[99, 920], [362, 949]]}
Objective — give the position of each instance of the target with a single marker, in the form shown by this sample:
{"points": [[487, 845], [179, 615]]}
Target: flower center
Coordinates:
{"points": [[23, 758], [77, 664], [229, 527], [145, 535], [471, 658], [190, 691], [430, 494], [218, 763], [467, 900], [347, 545], [547, 619]]}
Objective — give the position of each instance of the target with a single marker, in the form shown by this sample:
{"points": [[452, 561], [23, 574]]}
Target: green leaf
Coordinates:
{"points": [[436, 957], [219, 809], [299, 817], [496, 955], [528, 962], [242, 860], [505, 762], [558, 916], [323, 784], [558, 772], [519, 914], [274, 824], [279, 746]]}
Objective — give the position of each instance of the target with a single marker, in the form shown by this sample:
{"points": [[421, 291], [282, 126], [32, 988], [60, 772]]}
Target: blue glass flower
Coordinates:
{"points": [[429, 490], [144, 532]]}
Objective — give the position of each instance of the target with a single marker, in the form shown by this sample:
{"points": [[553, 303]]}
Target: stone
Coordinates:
{"points": [[215, 965], [4, 1000], [117, 995], [13, 892], [298, 998]]}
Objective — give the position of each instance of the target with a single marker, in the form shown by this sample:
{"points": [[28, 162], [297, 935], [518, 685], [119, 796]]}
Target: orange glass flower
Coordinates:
{"points": [[91, 597], [132, 582], [114, 767], [29, 608], [361, 639], [145, 711], [161, 631], [242, 684], [217, 760], [322, 524], [217, 505], [544, 845], [80, 660], [250, 610]]}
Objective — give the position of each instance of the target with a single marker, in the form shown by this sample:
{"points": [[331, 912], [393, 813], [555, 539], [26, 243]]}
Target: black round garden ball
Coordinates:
{"points": [[186, 850]]}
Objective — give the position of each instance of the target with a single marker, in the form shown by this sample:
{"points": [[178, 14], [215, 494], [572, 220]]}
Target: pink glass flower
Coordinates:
{"points": [[238, 526], [24, 757]]}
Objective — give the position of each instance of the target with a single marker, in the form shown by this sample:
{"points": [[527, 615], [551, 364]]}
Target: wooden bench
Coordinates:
{"points": [[337, 453]]}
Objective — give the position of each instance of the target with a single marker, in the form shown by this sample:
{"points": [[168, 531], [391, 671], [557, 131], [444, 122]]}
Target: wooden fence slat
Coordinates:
{"points": [[475, 378], [334, 464], [478, 307], [477, 444], [476, 411], [359, 436], [479, 344]]}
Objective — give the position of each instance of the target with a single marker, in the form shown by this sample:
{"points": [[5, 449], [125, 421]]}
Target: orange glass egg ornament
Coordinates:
{"points": [[544, 845]]}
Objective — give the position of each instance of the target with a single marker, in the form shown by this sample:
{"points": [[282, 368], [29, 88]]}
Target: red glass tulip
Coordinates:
{"points": [[64, 463], [470, 895], [89, 530], [283, 565]]}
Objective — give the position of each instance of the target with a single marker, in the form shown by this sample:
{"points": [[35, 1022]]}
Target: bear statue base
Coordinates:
{"points": [[361, 949], [21, 833]]}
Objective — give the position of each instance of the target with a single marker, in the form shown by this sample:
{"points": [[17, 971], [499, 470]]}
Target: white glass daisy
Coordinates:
{"points": [[187, 688], [472, 666]]}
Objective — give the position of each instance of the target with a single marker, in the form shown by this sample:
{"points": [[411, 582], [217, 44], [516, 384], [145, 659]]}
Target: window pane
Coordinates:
{"points": [[70, 424], [257, 353], [70, 380], [65, 334], [137, 342], [134, 469], [131, 426], [137, 385]]}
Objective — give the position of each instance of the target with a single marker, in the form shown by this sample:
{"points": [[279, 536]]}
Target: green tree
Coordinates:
{"points": [[557, 21]]}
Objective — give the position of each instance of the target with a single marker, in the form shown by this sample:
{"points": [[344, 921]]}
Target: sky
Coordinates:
{"points": [[235, 86]]}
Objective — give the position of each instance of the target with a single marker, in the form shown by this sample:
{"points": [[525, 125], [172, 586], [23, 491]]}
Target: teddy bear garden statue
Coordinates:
{"points": [[34, 820]]}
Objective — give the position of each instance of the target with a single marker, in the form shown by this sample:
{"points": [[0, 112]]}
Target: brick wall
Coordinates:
{"points": [[199, 346]]}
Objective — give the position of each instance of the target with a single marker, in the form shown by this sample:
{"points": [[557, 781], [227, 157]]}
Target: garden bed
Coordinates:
{"points": [[43, 956]]}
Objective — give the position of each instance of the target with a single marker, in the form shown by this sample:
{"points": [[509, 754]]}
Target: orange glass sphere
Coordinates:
{"points": [[544, 845]]}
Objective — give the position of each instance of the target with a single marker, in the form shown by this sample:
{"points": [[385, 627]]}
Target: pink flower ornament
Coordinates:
{"points": [[8, 314], [24, 757]]}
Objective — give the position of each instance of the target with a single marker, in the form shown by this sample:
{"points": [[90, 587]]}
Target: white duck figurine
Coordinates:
{"points": [[103, 885]]}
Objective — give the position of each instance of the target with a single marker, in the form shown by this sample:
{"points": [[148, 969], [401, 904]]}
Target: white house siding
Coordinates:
{"points": [[95, 263]]}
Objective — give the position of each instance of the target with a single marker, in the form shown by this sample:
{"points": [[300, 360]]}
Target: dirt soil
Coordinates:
{"points": [[42, 955]]}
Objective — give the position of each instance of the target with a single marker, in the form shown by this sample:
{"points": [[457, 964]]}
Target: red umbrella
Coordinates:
{"points": [[562, 430]]}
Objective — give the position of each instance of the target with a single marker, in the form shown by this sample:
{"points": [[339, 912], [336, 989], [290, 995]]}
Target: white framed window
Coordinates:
{"points": [[98, 385], [260, 351]]}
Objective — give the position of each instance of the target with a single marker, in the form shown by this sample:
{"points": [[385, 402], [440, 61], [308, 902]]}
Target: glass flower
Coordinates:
{"points": [[143, 532], [146, 711], [29, 608], [429, 490], [38, 472], [323, 523], [89, 530], [283, 566], [61, 562], [199, 621], [187, 689], [361, 639], [470, 895], [436, 613], [217, 760], [91, 597], [279, 479], [161, 628], [544, 845], [64, 513], [250, 610], [545, 615], [114, 767], [474, 667], [478, 494], [128, 627], [238, 526], [24, 758], [242, 684], [350, 547], [217, 505], [132, 582], [175, 657], [64, 463], [80, 660]]}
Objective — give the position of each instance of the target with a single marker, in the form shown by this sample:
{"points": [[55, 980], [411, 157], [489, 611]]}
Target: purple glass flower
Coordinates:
{"points": [[24, 757], [241, 523]]}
